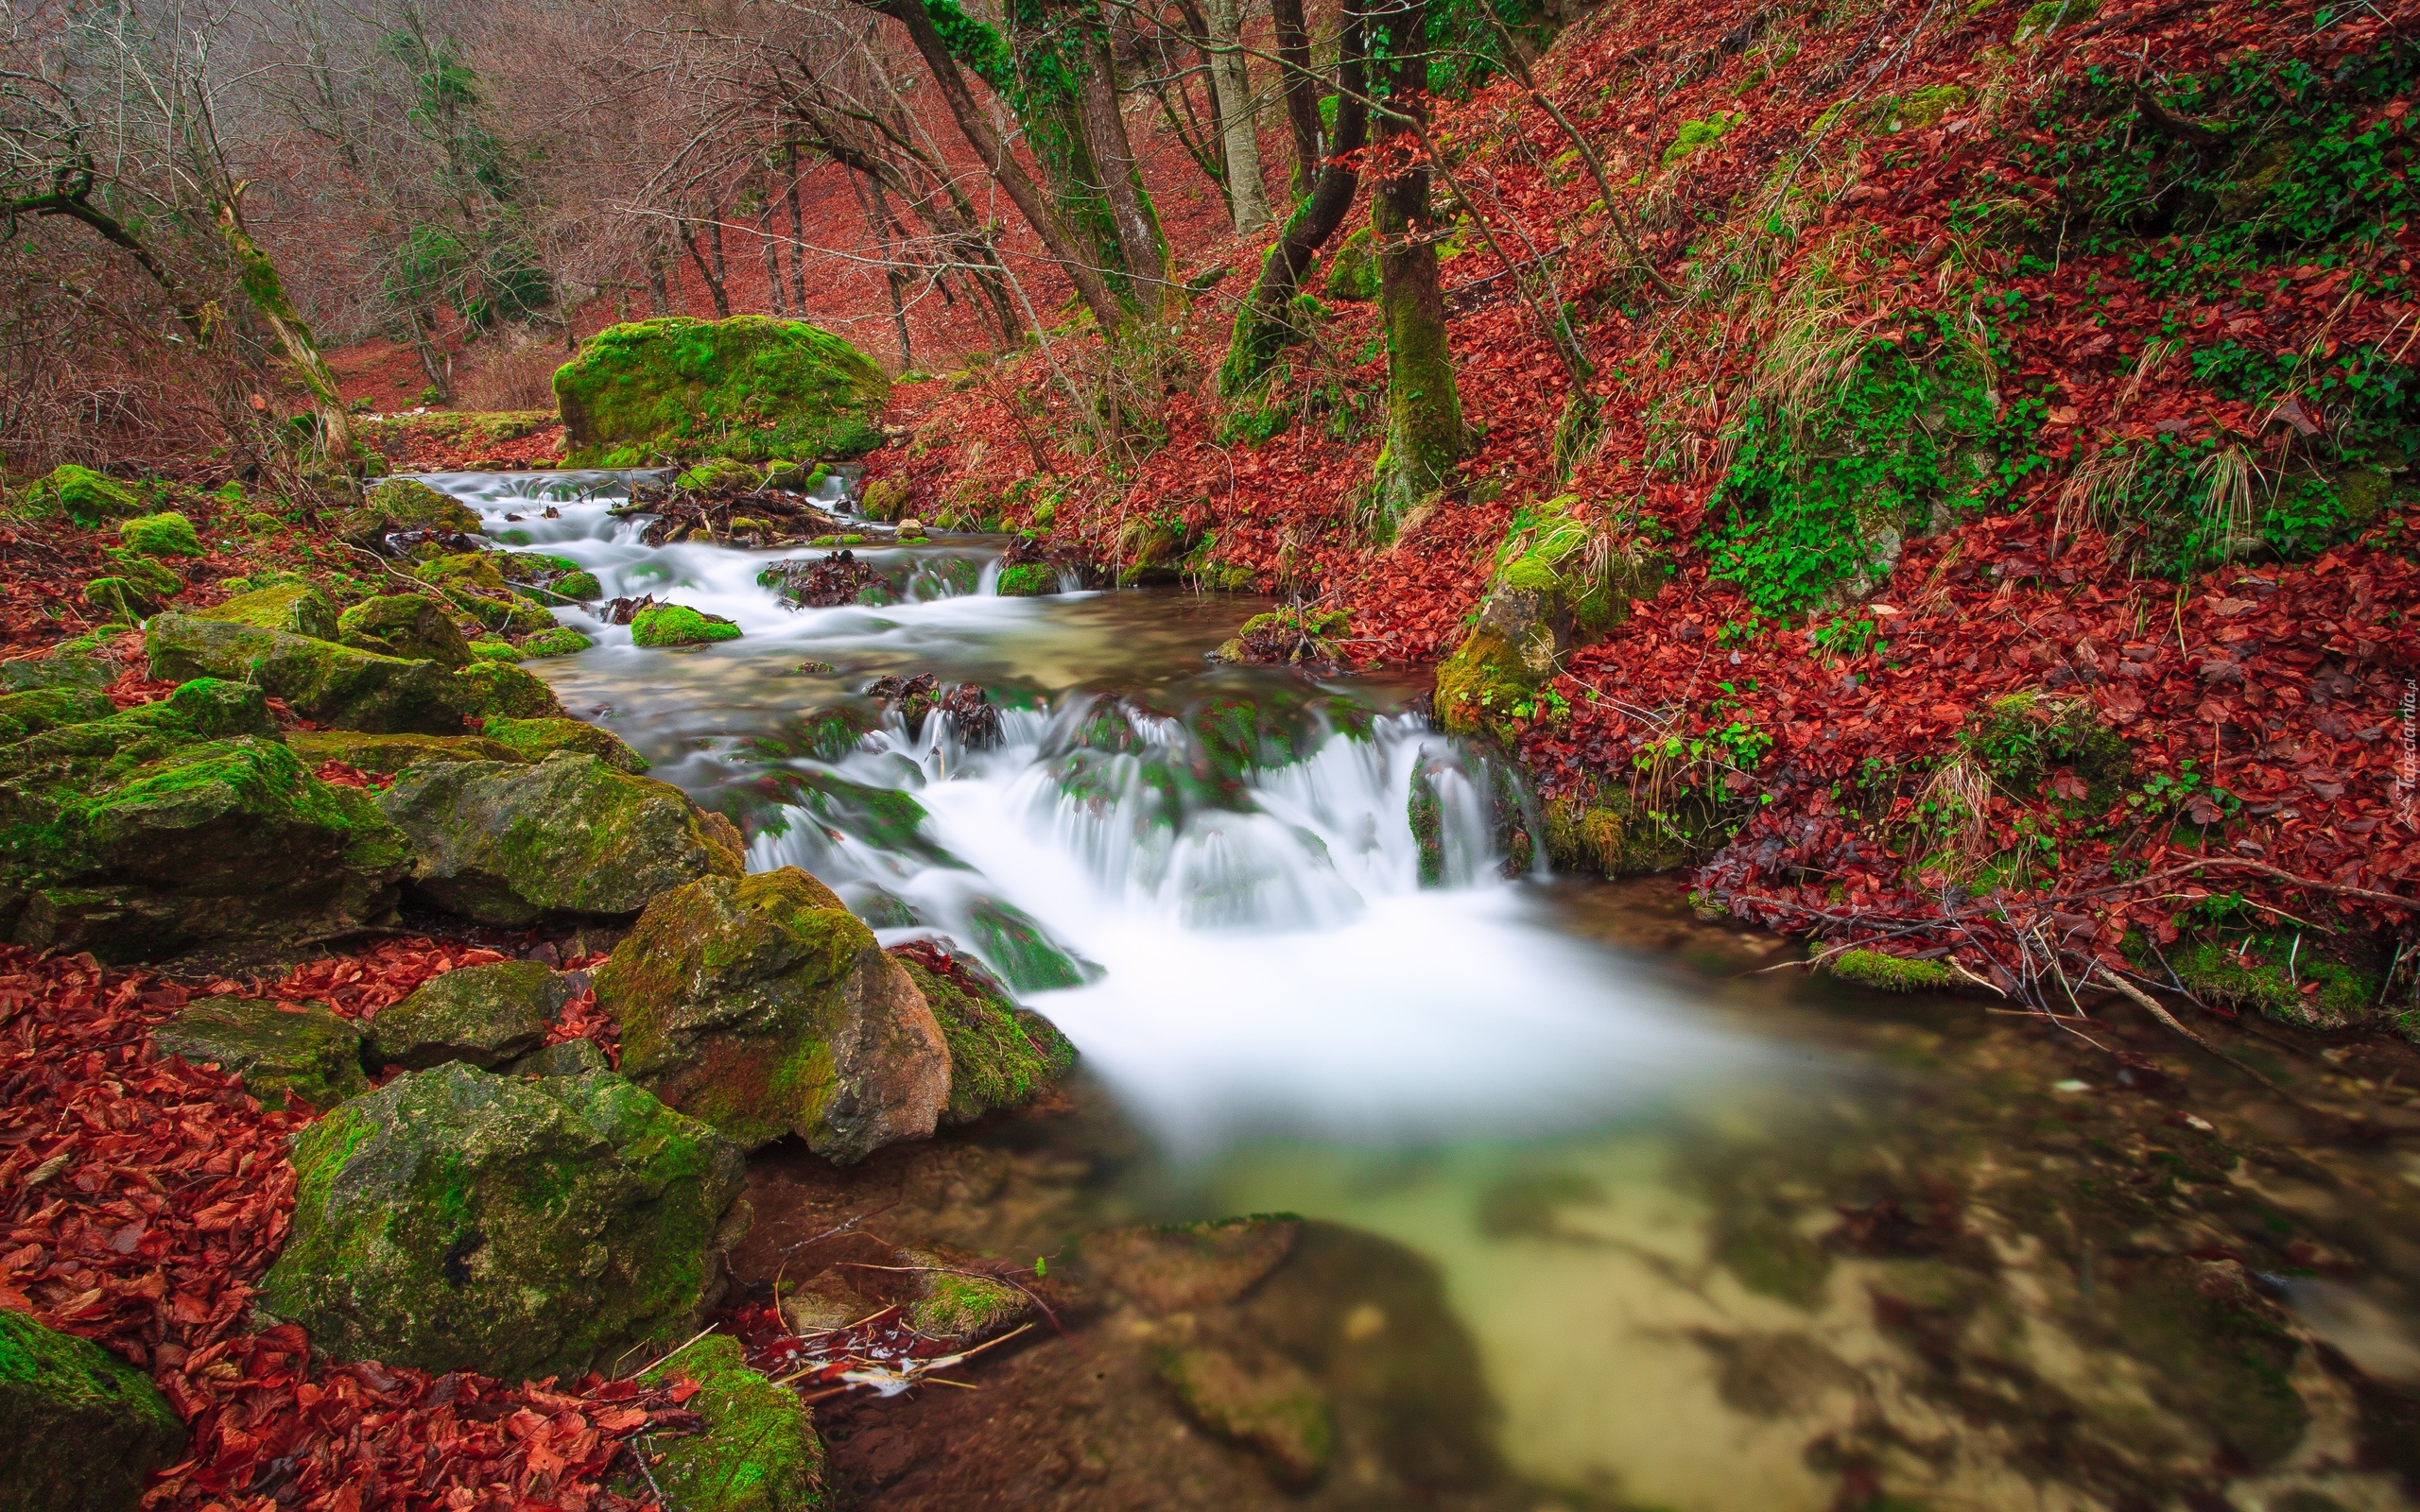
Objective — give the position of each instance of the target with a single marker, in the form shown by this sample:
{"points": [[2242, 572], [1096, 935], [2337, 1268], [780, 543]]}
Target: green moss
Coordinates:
{"points": [[2041, 20], [313, 1053], [679, 625], [85, 1428], [537, 739], [36, 710], [87, 497], [1353, 273], [413, 626], [2021, 737], [497, 690], [717, 474], [496, 651], [759, 1452], [960, 1307], [161, 535], [1696, 136], [560, 641], [325, 683], [2268, 973], [1891, 973], [1000, 1056], [405, 503], [389, 754], [485, 1016], [296, 608], [1031, 580], [1919, 109], [748, 387]]}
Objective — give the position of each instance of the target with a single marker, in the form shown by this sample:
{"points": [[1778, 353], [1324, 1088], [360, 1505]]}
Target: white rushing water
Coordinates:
{"points": [[1225, 911]]}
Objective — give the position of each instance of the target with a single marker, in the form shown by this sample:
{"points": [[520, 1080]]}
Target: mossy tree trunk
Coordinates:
{"points": [[267, 293], [1424, 432], [1141, 246], [1265, 325]]}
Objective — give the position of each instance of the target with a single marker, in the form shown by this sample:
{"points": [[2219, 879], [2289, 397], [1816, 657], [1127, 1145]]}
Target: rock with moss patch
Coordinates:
{"points": [[1257, 1398], [960, 1304], [85, 1428], [560, 641], [405, 503], [484, 1016], [2280, 977], [1892, 973], [297, 609], [746, 386], [717, 474], [274, 1048], [679, 625], [168, 534], [87, 497], [36, 710], [1033, 579], [1000, 1056], [764, 1006], [325, 683], [537, 739], [565, 837], [759, 1453], [456, 1220], [1353, 274], [411, 626], [59, 669], [567, 1057], [386, 755], [499, 690], [1180, 1267]]}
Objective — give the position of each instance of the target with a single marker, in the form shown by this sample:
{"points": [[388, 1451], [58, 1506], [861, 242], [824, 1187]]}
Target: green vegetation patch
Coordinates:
{"points": [[161, 535], [679, 625], [750, 387]]}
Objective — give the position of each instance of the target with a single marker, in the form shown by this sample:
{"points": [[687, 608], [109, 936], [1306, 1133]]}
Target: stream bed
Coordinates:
{"points": [[1604, 1206]]}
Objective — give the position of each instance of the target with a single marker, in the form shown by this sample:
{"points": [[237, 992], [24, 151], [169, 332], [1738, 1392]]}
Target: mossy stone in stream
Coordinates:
{"points": [[412, 626], [748, 387], [456, 1220], [36, 710], [959, 1305], [716, 474], [483, 1015], [679, 625], [1000, 1056], [273, 1048], [169, 534], [85, 1428], [1012, 944], [487, 651], [386, 755], [568, 837], [498, 690], [537, 739], [297, 608], [560, 641], [759, 1452], [325, 683], [2218, 1353], [1892, 973], [1033, 579], [405, 503], [763, 1006]]}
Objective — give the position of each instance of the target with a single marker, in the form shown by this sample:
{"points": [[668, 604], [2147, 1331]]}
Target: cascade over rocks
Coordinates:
{"points": [[324, 682], [763, 1006], [275, 1048], [82, 1428], [507, 843], [483, 1015], [454, 1219]]}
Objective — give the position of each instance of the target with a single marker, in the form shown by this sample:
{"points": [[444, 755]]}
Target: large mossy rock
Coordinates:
{"points": [[750, 387], [405, 503], [274, 1048], [325, 683], [764, 1006], [80, 1428], [87, 497], [759, 1452], [389, 754], [297, 609], [668, 624], [498, 690], [1000, 1056], [484, 1016], [507, 843], [456, 1220], [411, 626], [134, 838], [36, 710], [537, 739]]}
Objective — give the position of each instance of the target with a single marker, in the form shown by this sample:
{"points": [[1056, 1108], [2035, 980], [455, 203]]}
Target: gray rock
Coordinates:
{"points": [[273, 1047], [484, 1016]]}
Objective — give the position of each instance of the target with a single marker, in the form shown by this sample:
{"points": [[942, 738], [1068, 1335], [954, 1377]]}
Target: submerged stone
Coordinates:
{"points": [[325, 683], [459, 1220], [1016, 946], [512, 844], [274, 1048], [759, 1452], [1257, 1399], [84, 1429], [482, 1015], [763, 1006], [1178, 1267]]}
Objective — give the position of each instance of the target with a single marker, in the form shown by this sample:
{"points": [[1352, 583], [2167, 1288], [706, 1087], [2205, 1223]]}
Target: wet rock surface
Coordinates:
{"points": [[276, 1048]]}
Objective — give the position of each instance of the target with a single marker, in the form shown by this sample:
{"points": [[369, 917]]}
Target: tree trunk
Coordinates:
{"points": [[1264, 326], [659, 296], [798, 239], [766, 239], [1424, 432], [708, 273], [721, 283], [267, 294], [1140, 247], [1301, 90], [1056, 237], [1247, 200]]}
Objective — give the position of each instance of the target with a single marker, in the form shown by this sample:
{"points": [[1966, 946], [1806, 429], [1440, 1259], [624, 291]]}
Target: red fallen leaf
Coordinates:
{"points": [[684, 1388], [621, 1419]]}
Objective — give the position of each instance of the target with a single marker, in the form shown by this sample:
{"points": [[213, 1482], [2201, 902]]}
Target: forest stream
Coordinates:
{"points": [[1602, 1205]]}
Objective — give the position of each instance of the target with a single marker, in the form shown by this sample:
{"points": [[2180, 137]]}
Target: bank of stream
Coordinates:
{"points": [[1604, 1205]]}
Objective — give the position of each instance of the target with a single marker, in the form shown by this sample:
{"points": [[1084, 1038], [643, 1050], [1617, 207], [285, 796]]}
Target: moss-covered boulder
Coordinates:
{"points": [[389, 754], [498, 690], [36, 710], [405, 503], [1000, 1056], [560, 641], [1032, 579], [565, 1057], [679, 625], [748, 387], [1553, 590], [759, 1452], [224, 840], [297, 609], [274, 1048], [764, 1006], [485, 1016], [413, 626], [87, 497], [325, 683], [537, 739], [717, 473], [167, 533], [521, 1227], [59, 669], [565, 837], [85, 1428]]}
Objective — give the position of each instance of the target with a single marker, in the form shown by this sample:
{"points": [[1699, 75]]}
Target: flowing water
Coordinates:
{"points": [[1716, 1236]]}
